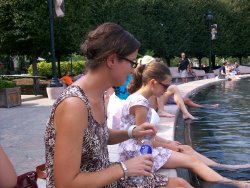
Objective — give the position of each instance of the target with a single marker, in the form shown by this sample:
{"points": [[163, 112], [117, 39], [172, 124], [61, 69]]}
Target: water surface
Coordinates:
{"points": [[223, 134]]}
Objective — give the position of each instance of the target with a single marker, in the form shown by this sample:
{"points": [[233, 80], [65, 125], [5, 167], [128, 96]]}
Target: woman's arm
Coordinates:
{"points": [[70, 122], [8, 177]]}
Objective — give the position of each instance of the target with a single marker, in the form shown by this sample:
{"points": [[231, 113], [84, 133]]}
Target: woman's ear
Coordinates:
{"points": [[111, 60]]}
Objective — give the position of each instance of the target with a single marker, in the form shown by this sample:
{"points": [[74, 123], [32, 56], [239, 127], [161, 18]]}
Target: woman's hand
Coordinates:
{"points": [[140, 166], [144, 129]]}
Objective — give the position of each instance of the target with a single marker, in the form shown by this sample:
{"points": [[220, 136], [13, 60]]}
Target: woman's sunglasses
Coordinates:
{"points": [[133, 63]]}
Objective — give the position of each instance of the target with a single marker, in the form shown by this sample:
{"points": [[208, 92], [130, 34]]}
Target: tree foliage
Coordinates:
{"points": [[166, 27]]}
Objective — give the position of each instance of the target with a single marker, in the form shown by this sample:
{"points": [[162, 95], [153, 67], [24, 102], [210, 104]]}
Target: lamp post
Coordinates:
{"points": [[209, 17], [54, 81]]}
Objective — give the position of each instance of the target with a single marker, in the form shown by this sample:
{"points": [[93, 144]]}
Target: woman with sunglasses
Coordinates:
{"points": [[76, 134], [152, 80]]}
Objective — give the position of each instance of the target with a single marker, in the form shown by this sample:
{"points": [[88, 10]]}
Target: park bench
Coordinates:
{"points": [[242, 69], [200, 74]]}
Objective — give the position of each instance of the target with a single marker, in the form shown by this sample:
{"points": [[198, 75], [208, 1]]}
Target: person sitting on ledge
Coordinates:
{"points": [[173, 96]]}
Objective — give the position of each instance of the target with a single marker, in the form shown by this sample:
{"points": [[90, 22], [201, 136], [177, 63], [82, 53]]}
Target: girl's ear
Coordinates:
{"points": [[152, 82], [111, 60]]}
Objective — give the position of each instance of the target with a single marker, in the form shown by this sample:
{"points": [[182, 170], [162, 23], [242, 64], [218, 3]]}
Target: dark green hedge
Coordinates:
{"points": [[7, 84]]}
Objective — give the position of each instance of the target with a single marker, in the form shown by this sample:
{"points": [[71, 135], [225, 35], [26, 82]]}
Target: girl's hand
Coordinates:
{"points": [[144, 129], [174, 146], [140, 166]]}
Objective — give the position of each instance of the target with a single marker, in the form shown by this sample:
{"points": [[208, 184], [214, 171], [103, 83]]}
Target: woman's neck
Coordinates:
{"points": [[92, 85]]}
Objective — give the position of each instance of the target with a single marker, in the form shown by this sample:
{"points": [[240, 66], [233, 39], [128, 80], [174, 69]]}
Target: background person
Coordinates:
{"points": [[183, 66], [67, 79], [222, 71]]}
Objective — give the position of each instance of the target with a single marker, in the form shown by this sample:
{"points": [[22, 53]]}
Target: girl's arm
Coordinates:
{"points": [[117, 136], [140, 113]]}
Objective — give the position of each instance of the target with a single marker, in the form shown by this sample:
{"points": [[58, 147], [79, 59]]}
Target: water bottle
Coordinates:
{"points": [[146, 148]]}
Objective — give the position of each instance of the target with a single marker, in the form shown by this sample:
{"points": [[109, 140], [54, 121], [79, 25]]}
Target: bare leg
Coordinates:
{"points": [[190, 151], [192, 104], [182, 160], [160, 103], [178, 182], [173, 90], [177, 160]]}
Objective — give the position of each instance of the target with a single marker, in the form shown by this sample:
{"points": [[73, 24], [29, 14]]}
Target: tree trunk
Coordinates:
{"points": [[59, 66], [168, 61], [35, 79]]}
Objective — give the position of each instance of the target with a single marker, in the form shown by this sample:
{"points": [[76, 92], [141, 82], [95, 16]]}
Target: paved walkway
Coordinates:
{"points": [[22, 130]]}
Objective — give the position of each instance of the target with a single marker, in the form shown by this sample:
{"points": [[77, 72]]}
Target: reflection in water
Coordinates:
{"points": [[223, 134]]}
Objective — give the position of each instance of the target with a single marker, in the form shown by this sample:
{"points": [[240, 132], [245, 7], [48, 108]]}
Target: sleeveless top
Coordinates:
{"points": [[94, 155]]}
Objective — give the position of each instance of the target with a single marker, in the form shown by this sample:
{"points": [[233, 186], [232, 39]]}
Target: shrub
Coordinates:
{"points": [[7, 84], [45, 68]]}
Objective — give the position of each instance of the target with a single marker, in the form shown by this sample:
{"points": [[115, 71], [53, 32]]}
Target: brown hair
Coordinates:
{"points": [[106, 39], [144, 73]]}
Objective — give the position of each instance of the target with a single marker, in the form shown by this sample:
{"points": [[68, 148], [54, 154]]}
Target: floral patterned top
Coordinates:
{"points": [[131, 147]]}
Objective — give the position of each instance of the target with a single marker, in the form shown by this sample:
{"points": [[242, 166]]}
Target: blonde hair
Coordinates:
{"points": [[146, 60]]}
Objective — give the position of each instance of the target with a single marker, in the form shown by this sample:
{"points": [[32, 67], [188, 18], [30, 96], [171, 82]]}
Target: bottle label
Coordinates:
{"points": [[146, 149]]}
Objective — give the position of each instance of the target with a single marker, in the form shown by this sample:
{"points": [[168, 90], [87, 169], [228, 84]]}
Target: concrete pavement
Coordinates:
{"points": [[22, 131]]}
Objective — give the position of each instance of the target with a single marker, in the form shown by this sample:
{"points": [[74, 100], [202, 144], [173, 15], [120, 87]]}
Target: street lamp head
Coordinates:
{"points": [[209, 15]]}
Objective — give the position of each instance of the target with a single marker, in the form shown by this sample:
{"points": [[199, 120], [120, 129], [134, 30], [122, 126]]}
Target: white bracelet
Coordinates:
{"points": [[125, 170], [130, 131]]}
